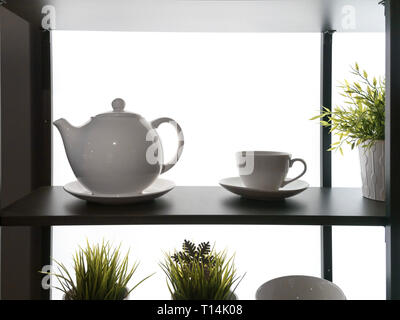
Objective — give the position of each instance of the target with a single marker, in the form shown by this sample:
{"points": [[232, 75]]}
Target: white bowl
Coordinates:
{"points": [[299, 288]]}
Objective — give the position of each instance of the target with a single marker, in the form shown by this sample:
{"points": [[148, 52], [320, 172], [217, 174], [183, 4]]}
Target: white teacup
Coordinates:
{"points": [[266, 170]]}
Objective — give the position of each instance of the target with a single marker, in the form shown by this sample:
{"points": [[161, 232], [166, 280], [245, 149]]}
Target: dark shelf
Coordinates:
{"points": [[198, 205]]}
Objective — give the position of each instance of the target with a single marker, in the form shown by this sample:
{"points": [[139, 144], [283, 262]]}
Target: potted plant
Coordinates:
{"points": [[200, 273], [100, 274], [361, 123]]}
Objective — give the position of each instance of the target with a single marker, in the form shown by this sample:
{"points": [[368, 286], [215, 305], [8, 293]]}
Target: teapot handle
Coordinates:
{"points": [[181, 141]]}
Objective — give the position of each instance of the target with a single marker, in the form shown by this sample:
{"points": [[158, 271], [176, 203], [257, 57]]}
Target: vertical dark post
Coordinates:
{"points": [[326, 253], [24, 150], [326, 101], [326, 158], [25, 250], [392, 145]]}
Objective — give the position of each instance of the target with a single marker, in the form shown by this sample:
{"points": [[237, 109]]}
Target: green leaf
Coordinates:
{"points": [[316, 117]]}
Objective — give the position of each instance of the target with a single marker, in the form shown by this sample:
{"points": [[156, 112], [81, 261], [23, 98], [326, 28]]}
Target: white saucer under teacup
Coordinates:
{"points": [[155, 190], [236, 186]]}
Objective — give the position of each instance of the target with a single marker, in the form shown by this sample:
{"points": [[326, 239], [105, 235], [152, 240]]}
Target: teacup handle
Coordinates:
{"points": [[155, 124], [291, 162]]}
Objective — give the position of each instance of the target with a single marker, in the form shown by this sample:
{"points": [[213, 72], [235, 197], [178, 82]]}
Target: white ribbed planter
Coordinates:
{"points": [[372, 162]]}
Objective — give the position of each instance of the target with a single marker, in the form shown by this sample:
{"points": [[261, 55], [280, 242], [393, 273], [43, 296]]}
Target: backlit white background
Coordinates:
{"points": [[229, 92]]}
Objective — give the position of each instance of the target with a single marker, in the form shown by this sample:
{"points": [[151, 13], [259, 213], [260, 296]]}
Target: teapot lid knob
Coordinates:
{"points": [[118, 105]]}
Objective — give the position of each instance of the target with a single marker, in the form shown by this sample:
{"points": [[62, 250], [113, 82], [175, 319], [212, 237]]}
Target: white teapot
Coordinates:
{"points": [[118, 152]]}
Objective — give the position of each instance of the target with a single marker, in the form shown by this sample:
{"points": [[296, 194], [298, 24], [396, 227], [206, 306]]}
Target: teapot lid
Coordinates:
{"points": [[118, 106]]}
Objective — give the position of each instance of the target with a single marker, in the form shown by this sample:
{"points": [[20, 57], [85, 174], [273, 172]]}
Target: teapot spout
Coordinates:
{"points": [[63, 126], [68, 131]]}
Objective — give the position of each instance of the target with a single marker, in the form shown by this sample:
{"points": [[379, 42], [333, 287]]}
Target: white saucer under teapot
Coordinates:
{"points": [[154, 191]]}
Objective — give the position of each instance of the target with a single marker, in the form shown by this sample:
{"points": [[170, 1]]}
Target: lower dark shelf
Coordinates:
{"points": [[198, 205]]}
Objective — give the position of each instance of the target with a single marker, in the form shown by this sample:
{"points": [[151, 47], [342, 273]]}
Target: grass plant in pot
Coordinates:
{"points": [[361, 123], [100, 274], [200, 273]]}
